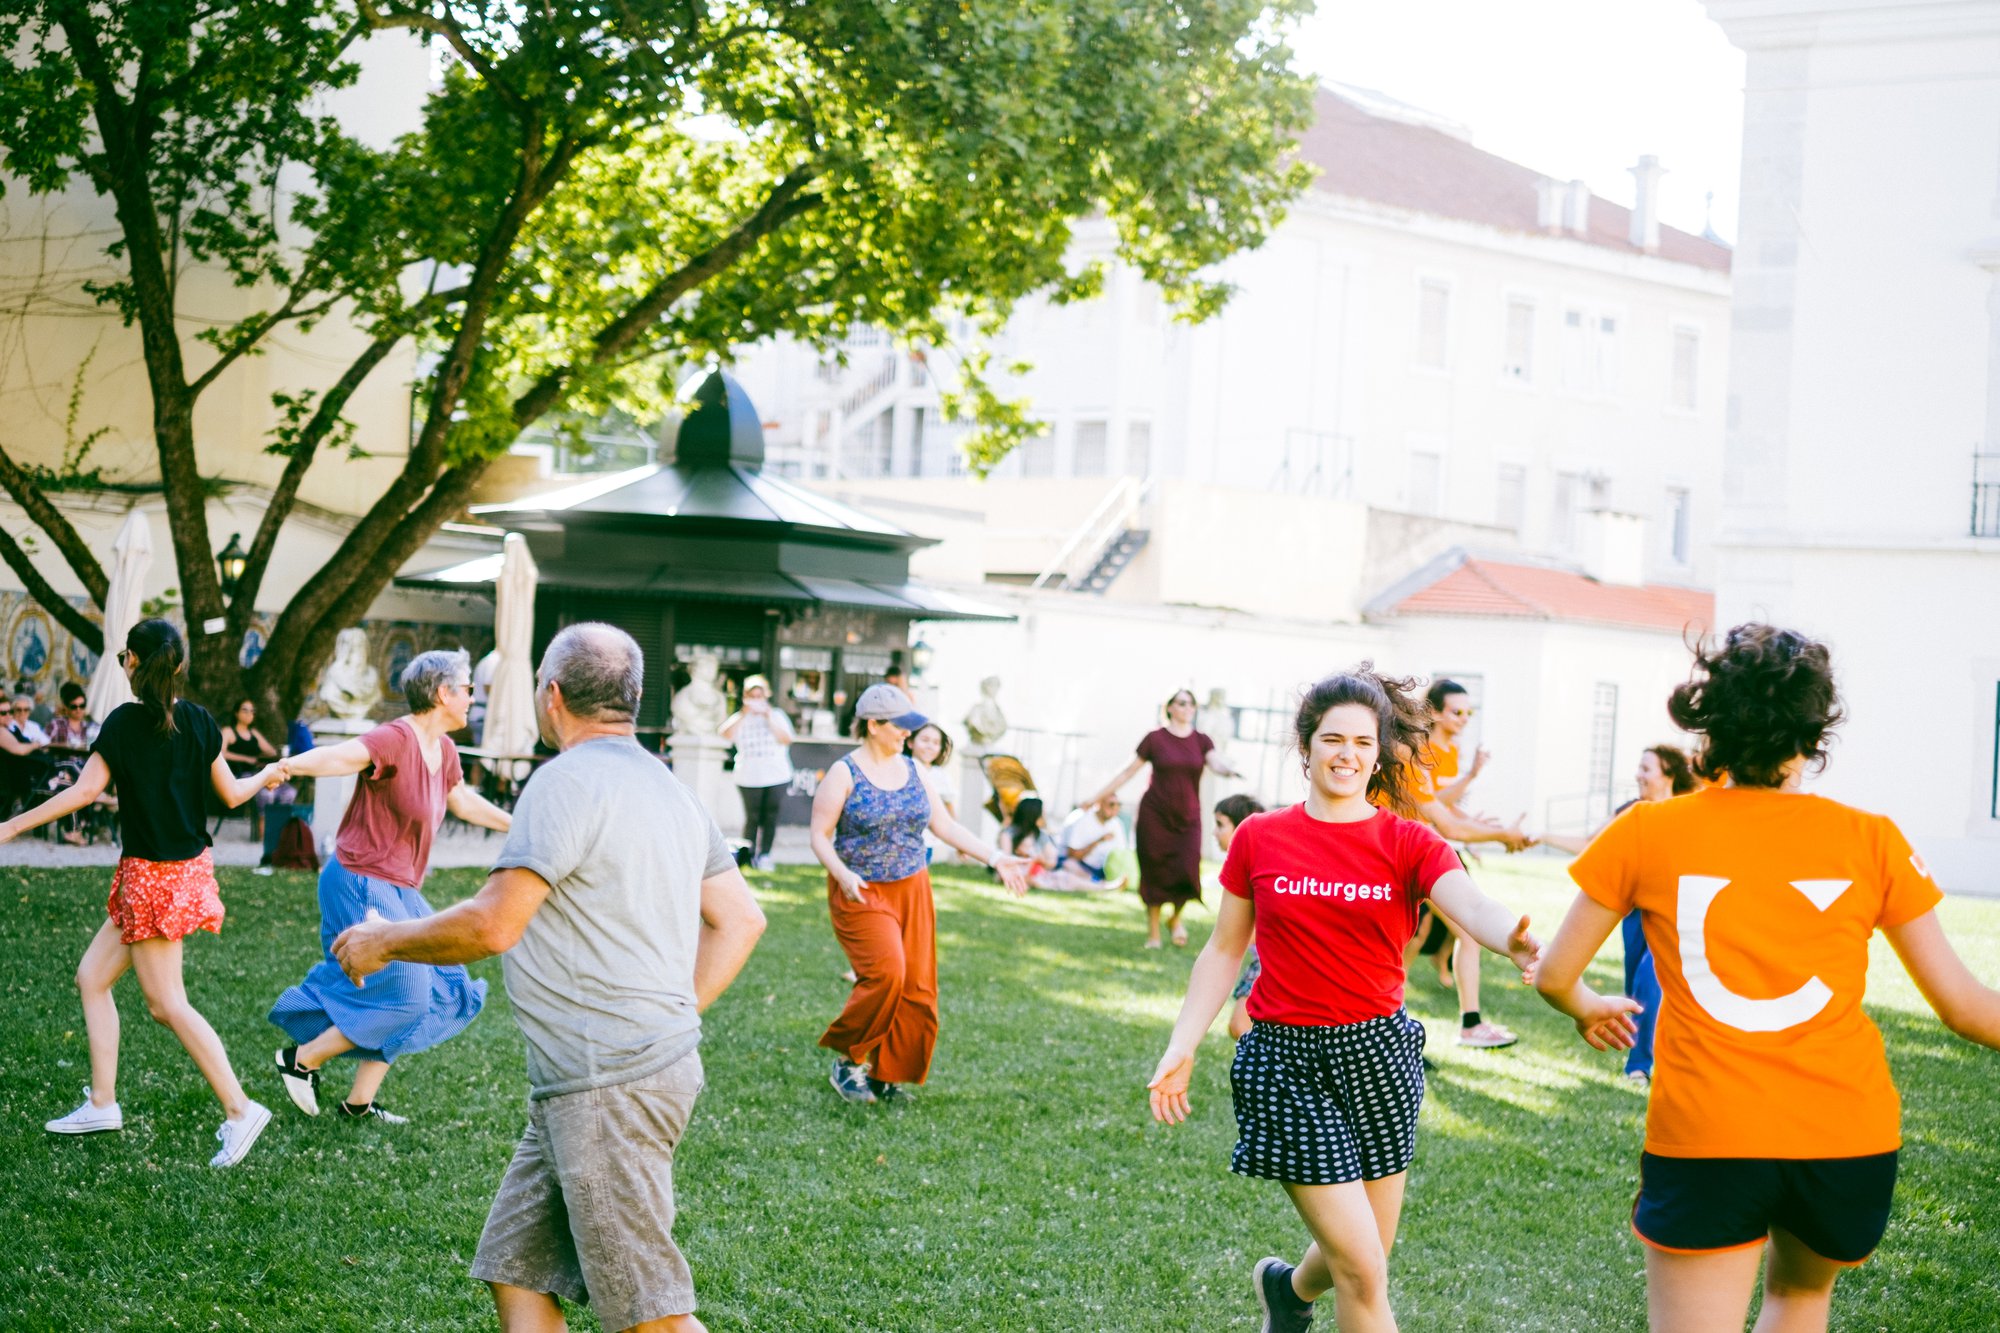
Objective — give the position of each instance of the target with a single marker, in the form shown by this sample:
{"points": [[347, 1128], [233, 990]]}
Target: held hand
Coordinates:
{"points": [[1515, 838], [272, 776], [1013, 872], [1525, 950], [1607, 1022], [363, 949], [1479, 758], [851, 884], [1170, 1085]]}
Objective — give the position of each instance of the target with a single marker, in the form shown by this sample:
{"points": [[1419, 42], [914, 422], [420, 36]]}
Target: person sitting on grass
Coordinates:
{"points": [[1230, 812], [1328, 1081], [1773, 1130], [164, 753]]}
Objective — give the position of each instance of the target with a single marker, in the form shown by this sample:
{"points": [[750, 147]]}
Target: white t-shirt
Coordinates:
{"points": [[762, 760], [1083, 827]]}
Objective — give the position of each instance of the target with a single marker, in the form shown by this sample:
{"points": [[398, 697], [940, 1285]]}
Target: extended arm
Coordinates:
{"points": [[1605, 1021], [1464, 828], [1219, 766], [473, 808], [89, 785], [1013, 869], [731, 922], [1130, 771], [1968, 1007], [729, 725], [233, 790], [14, 745], [1486, 920], [1209, 984], [329, 761], [487, 923], [1451, 793], [827, 803]]}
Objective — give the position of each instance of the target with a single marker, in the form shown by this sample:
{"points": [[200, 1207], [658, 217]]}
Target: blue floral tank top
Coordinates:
{"points": [[880, 836]]}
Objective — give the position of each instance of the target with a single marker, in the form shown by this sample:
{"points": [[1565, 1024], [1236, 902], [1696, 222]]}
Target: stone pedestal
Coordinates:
{"points": [[973, 793], [697, 762], [331, 795]]}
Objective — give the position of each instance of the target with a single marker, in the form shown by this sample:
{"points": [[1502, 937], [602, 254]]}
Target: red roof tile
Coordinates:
{"points": [[1425, 170], [1531, 592]]}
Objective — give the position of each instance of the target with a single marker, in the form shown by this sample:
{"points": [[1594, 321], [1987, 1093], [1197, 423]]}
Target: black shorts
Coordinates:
{"points": [[1327, 1105], [1837, 1206]]}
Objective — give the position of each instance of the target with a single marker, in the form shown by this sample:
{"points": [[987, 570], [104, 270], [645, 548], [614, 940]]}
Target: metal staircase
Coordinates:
{"points": [[1111, 564], [1105, 542]]}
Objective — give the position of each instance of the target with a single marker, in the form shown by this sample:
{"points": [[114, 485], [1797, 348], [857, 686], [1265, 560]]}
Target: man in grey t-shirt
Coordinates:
{"points": [[622, 916]]}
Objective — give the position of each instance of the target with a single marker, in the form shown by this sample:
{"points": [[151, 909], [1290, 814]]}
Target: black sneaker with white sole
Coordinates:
{"points": [[372, 1111], [851, 1082], [1284, 1311], [301, 1084], [892, 1093]]}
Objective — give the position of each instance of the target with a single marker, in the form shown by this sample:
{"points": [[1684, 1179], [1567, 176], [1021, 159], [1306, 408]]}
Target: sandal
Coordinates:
{"points": [[1153, 943], [1180, 937]]}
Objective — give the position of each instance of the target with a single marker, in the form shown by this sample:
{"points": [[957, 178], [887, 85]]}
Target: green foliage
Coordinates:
{"points": [[73, 473], [166, 604]]}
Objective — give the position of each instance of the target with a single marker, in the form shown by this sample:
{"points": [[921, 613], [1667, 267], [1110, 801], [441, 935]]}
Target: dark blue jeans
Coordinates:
{"points": [[1642, 983]]}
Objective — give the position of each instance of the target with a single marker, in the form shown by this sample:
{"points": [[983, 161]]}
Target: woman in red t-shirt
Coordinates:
{"points": [[1328, 1081]]}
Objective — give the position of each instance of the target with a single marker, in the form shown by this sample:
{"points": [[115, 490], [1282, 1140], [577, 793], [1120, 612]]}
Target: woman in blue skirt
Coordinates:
{"points": [[410, 777]]}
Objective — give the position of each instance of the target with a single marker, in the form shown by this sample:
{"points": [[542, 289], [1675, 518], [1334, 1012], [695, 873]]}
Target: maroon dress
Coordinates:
{"points": [[1168, 830]]}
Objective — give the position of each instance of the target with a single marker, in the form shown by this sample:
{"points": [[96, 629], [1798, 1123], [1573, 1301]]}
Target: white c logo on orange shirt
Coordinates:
{"points": [[1724, 1004]]}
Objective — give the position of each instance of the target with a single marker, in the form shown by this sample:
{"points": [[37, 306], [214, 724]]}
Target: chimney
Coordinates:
{"points": [[1611, 547], [1576, 208], [1549, 198], [1646, 203]]}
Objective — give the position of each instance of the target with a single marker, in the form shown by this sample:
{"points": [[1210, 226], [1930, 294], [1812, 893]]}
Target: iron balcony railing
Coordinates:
{"points": [[1985, 493]]}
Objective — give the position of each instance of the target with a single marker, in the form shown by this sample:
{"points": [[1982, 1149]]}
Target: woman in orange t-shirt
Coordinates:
{"points": [[1773, 1118]]}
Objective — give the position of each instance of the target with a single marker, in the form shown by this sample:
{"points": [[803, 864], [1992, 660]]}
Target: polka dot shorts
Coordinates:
{"points": [[1326, 1105], [164, 900]]}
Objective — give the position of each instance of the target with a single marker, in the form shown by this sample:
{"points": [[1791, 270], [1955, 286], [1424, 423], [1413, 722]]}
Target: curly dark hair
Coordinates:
{"points": [[1674, 763], [1402, 726], [1759, 701], [1239, 807]]}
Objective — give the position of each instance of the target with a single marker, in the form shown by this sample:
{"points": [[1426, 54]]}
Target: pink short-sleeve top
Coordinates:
{"points": [[398, 804]]}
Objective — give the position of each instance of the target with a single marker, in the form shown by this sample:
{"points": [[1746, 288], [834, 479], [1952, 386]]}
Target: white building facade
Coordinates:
{"points": [[1862, 467]]}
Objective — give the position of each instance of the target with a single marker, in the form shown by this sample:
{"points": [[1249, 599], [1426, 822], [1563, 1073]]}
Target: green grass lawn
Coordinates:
{"points": [[1027, 1189]]}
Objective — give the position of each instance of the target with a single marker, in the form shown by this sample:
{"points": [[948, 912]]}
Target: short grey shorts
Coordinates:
{"points": [[586, 1209]]}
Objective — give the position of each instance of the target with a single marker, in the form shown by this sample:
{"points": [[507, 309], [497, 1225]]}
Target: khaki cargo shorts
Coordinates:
{"points": [[586, 1209]]}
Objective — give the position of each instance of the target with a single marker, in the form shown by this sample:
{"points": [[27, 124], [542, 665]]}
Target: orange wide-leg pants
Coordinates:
{"points": [[890, 938]]}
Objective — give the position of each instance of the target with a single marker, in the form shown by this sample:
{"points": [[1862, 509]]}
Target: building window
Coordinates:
{"points": [[1603, 739], [1433, 319], [1519, 365], [1607, 355], [1139, 449], [1687, 356], [1680, 544], [1510, 497], [1088, 455], [1575, 352], [1426, 482], [1038, 455]]}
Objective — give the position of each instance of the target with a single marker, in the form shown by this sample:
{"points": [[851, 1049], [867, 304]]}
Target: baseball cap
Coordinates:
{"points": [[886, 703]]}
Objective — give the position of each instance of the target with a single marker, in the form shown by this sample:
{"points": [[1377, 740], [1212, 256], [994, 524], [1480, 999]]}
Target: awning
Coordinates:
{"points": [[918, 601]]}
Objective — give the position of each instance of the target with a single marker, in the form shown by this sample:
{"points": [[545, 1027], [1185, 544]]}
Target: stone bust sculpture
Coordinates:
{"points": [[984, 722], [699, 707], [1214, 720], [351, 686]]}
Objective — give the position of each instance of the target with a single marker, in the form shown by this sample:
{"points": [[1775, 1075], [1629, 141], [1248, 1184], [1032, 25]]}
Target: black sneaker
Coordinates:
{"points": [[851, 1081], [301, 1085], [892, 1093], [1283, 1311], [372, 1111]]}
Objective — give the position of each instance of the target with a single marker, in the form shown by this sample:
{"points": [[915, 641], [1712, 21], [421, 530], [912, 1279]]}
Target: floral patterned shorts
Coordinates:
{"points": [[164, 900]]}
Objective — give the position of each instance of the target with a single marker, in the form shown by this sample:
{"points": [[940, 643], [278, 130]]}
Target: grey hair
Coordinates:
{"points": [[427, 675], [599, 669]]}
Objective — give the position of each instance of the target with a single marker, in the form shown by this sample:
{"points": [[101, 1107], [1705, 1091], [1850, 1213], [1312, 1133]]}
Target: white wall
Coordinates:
{"points": [[1864, 375]]}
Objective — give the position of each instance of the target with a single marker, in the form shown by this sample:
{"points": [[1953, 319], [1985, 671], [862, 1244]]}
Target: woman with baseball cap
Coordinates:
{"points": [[763, 738], [868, 822]]}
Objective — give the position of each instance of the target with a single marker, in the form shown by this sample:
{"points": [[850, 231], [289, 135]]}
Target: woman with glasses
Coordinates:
{"points": [[165, 754], [21, 761], [409, 778], [71, 734], [247, 751]]}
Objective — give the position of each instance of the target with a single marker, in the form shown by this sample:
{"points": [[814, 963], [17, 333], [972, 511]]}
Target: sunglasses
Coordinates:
{"points": [[23, 708]]}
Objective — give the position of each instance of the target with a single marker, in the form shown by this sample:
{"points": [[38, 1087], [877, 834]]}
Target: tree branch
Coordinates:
{"points": [[76, 622], [454, 36], [785, 201], [50, 520]]}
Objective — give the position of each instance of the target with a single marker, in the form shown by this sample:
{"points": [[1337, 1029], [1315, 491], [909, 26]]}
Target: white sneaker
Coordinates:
{"points": [[765, 862], [88, 1119], [237, 1136]]}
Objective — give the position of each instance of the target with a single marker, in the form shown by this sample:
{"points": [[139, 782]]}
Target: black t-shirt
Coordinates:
{"points": [[162, 781]]}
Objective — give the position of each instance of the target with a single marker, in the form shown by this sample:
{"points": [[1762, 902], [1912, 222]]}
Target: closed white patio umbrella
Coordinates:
{"points": [[132, 557], [510, 700]]}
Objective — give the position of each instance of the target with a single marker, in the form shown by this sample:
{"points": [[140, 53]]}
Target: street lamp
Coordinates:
{"points": [[921, 654], [229, 563]]}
